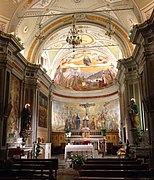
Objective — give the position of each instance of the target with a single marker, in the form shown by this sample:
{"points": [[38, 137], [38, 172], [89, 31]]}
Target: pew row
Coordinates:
{"points": [[29, 169], [115, 173], [109, 178], [116, 166], [113, 161]]}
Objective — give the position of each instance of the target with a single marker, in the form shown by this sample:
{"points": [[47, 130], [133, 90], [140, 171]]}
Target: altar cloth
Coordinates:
{"points": [[76, 148]]}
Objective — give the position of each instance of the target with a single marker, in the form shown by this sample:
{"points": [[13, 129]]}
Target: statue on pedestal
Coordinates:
{"points": [[26, 118], [25, 121], [134, 115], [135, 125]]}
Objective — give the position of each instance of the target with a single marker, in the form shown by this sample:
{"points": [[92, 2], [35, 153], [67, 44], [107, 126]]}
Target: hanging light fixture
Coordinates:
{"points": [[73, 37]]}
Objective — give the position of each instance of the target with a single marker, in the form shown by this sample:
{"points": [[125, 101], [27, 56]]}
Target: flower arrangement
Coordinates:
{"points": [[67, 130], [77, 160], [103, 130], [36, 149]]}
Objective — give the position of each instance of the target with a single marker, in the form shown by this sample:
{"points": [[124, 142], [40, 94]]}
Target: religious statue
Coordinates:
{"points": [[26, 118], [77, 122], [134, 115]]}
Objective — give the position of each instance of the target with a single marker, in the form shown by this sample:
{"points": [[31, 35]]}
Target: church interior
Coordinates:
{"points": [[77, 75]]}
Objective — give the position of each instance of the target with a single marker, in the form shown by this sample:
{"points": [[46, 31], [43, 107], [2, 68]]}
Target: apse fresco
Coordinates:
{"points": [[98, 115], [86, 70]]}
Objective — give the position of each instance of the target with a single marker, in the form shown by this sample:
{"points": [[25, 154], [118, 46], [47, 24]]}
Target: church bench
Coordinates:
{"points": [[108, 178], [114, 166], [115, 173], [50, 164], [30, 168], [112, 161]]}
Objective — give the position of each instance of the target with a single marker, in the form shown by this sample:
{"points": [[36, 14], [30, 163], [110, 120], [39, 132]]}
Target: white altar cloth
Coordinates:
{"points": [[85, 148]]}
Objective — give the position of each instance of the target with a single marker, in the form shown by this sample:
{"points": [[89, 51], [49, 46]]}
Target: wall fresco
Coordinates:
{"points": [[98, 115]]}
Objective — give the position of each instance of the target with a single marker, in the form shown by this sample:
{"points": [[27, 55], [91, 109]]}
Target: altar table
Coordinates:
{"points": [[77, 148]]}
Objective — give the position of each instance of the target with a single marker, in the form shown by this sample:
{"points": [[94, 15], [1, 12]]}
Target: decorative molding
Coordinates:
{"points": [[85, 97], [147, 10], [3, 23]]}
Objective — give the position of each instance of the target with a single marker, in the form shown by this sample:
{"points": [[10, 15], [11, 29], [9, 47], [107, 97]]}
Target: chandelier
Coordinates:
{"points": [[73, 37]]}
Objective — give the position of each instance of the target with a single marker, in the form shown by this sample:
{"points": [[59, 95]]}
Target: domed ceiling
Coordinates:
{"points": [[103, 26], [89, 66]]}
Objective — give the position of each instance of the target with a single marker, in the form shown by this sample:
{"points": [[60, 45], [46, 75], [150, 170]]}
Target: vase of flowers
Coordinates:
{"points": [[68, 134], [77, 160], [36, 149], [103, 131]]}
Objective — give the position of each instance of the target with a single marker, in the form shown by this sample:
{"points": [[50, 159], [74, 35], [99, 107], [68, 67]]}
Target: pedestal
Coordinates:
{"points": [[27, 136]]}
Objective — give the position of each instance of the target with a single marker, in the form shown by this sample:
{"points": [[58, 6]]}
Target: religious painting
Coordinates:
{"points": [[43, 104], [95, 116], [13, 106], [86, 70]]}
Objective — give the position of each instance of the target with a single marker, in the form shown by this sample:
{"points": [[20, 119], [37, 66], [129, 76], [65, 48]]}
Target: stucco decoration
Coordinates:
{"points": [[3, 24]]}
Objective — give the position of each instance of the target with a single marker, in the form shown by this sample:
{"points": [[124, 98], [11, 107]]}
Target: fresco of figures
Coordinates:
{"points": [[84, 71], [74, 116]]}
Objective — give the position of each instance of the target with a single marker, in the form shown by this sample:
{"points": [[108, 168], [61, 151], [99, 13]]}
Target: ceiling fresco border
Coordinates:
{"points": [[82, 98], [87, 97]]}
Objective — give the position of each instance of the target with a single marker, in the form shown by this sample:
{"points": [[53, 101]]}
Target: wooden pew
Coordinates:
{"points": [[50, 164], [114, 166], [108, 178], [112, 161], [30, 168], [103, 168], [115, 173]]}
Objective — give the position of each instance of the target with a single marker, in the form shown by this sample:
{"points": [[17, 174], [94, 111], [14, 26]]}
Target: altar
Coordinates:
{"points": [[88, 149]]}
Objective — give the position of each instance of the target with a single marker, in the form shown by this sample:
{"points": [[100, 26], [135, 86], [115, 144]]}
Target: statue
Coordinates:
{"points": [[134, 115], [77, 121], [26, 118]]}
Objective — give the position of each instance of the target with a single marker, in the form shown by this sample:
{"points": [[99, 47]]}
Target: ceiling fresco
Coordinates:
{"points": [[43, 25], [91, 65], [86, 70]]}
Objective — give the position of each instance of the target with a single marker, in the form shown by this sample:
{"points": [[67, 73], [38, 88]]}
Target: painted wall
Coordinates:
{"points": [[106, 114]]}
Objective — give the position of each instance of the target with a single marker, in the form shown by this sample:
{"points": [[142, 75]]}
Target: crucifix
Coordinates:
{"points": [[85, 120]]}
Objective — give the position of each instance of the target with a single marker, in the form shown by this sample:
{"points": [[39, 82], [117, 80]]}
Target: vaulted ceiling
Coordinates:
{"points": [[104, 26]]}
